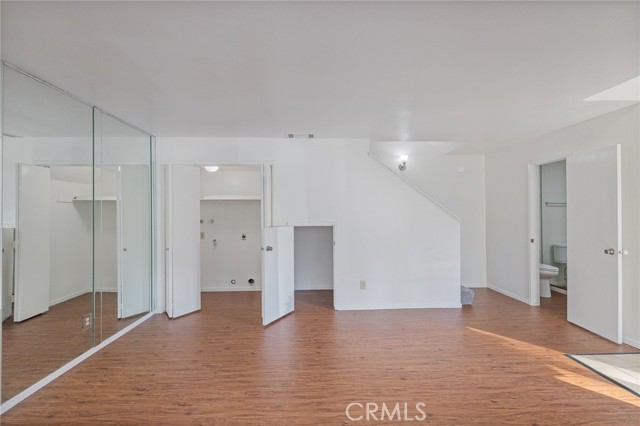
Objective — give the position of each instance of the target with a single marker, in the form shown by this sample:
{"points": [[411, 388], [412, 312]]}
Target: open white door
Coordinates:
{"points": [[278, 273], [33, 232], [134, 248], [182, 239], [594, 238]]}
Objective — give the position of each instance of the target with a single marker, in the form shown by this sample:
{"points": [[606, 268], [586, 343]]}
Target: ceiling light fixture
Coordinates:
{"points": [[211, 169], [403, 162]]}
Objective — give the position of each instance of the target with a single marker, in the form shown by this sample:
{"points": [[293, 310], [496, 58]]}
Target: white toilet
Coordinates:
{"points": [[546, 273]]}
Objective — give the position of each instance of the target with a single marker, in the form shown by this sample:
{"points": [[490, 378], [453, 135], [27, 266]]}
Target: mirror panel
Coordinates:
{"points": [[76, 228], [123, 224], [47, 239]]}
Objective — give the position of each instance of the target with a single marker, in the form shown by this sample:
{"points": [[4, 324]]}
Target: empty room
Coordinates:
{"points": [[320, 212]]}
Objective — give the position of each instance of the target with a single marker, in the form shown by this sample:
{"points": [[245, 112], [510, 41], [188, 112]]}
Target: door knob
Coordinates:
{"points": [[610, 251], [124, 249], [269, 248], [623, 252]]}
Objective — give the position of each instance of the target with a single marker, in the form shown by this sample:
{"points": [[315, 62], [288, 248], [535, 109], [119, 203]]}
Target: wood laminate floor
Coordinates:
{"points": [[35, 348], [499, 362]]}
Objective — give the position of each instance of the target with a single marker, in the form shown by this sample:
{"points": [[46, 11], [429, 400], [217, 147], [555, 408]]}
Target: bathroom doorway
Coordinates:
{"points": [[593, 255], [549, 275], [553, 228]]}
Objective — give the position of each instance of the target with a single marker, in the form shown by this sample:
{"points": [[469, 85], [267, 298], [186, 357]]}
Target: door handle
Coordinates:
{"points": [[610, 251], [124, 249], [269, 248], [623, 252]]}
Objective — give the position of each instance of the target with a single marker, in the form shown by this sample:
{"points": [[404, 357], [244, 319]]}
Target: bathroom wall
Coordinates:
{"points": [[230, 257], [313, 257], [553, 189]]}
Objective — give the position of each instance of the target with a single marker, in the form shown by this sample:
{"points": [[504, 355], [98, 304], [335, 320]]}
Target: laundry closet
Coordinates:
{"points": [[221, 236], [230, 228]]}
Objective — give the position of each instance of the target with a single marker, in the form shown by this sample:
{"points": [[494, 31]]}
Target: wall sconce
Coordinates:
{"points": [[403, 162]]}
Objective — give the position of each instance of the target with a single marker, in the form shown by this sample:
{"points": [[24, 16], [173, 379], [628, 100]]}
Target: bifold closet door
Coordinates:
{"points": [[134, 248], [278, 293], [33, 252], [594, 238], [182, 239]]}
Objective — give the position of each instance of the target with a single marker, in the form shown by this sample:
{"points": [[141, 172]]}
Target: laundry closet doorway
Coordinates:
{"points": [[219, 238], [230, 228]]}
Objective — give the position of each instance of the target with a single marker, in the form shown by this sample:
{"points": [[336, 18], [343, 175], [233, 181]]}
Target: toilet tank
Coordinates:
{"points": [[559, 252]]}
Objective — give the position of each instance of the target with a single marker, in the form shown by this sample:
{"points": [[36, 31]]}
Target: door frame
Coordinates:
{"points": [[266, 217], [535, 227]]}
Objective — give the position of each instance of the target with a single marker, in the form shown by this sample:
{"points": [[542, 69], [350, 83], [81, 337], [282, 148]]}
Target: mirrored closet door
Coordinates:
{"points": [[122, 206], [76, 228]]}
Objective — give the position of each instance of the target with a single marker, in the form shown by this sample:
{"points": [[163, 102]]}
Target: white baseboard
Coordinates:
{"points": [[315, 287], [558, 290], [68, 366], [80, 293], [227, 288], [509, 294], [69, 296], [474, 285], [376, 307], [631, 342]]}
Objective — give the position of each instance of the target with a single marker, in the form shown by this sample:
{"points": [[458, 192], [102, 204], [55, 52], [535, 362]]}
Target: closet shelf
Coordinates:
{"points": [[89, 198], [230, 197]]}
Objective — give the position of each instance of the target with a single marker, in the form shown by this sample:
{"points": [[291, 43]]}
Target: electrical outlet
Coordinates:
{"points": [[86, 321], [363, 285]]}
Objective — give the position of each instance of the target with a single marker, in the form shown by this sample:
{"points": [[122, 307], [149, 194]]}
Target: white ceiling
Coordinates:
{"points": [[482, 73]]}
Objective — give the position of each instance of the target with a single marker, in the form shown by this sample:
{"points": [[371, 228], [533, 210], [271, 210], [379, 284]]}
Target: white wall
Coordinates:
{"points": [[71, 236], [231, 257], [71, 242], [63, 152], [507, 199], [46, 151], [458, 183], [553, 189], [232, 181], [313, 257], [406, 248]]}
